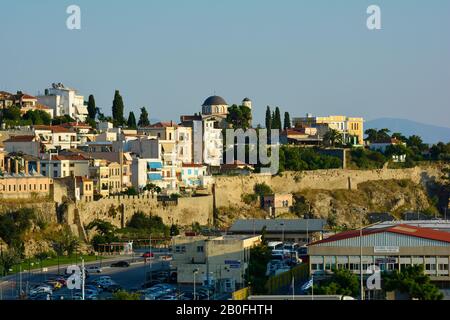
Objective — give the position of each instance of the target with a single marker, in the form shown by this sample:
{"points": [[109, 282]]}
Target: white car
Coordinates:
{"points": [[94, 269], [40, 290]]}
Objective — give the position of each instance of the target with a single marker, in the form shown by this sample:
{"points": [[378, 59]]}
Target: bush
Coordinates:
{"points": [[14, 225], [142, 223], [262, 189], [299, 159], [249, 198]]}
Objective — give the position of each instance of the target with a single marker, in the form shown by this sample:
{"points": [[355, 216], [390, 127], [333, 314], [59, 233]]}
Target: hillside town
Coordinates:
{"points": [[117, 196]]}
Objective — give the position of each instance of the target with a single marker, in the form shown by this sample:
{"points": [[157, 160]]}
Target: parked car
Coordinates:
{"points": [[40, 297], [88, 295], [121, 264], [95, 269], [55, 285], [113, 288], [148, 255], [43, 289], [150, 284]]}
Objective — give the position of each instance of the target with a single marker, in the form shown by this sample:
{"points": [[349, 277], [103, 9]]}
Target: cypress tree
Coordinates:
{"points": [[268, 119], [117, 109], [92, 110], [276, 122], [287, 121], [131, 121], [143, 118]]}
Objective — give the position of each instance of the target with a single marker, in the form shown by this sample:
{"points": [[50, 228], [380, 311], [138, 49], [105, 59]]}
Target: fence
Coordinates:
{"points": [[275, 283]]}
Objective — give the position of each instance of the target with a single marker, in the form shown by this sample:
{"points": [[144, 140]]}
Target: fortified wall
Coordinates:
{"points": [[230, 189], [118, 210]]}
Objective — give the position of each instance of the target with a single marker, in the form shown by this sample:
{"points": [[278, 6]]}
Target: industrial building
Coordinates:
{"points": [[390, 248], [217, 261], [300, 231]]}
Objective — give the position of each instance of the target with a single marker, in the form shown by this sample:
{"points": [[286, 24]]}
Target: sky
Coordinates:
{"points": [[305, 56]]}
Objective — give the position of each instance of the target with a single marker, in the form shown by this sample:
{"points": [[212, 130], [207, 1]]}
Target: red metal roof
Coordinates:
{"points": [[403, 229]]}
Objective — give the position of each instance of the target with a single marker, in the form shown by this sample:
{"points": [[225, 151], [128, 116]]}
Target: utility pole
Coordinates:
{"points": [[82, 278], [360, 259]]}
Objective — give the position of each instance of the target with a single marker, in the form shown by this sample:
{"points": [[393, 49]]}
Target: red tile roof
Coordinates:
{"points": [[193, 165], [54, 129], [403, 229], [163, 125], [74, 157], [21, 139]]}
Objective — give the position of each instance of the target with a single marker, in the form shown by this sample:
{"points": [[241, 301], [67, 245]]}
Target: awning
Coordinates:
{"points": [[154, 165], [82, 110]]}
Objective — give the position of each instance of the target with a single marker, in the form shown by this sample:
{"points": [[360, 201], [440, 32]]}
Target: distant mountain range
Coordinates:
{"points": [[429, 133]]}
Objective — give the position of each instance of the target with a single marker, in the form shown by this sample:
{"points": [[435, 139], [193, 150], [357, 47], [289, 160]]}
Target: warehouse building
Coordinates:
{"points": [[300, 231], [390, 248]]}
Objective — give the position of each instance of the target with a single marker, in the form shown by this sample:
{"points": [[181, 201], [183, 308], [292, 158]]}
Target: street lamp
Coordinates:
{"points": [[360, 257], [195, 273], [282, 231]]}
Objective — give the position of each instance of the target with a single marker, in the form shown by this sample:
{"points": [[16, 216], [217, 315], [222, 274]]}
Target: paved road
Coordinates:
{"points": [[129, 278]]}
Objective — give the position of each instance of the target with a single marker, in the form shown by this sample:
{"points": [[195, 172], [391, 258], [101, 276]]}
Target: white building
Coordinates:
{"points": [[64, 101], [56, 137], [65, 166], [194, 175], [208, 143], [146, 171]]}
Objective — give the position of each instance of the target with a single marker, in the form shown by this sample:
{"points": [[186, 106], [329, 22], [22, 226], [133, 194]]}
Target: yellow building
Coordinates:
{"points": [[349, 126]]}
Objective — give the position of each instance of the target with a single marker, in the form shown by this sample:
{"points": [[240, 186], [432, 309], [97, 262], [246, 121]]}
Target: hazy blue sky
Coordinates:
{"points": [[305, 56]]}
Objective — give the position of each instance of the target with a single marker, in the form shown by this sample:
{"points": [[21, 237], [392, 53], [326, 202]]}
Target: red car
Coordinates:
{"points": [[148, 255]]}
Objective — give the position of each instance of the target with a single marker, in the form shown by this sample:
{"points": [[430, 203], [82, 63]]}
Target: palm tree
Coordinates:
{"points": [[333, 137]]}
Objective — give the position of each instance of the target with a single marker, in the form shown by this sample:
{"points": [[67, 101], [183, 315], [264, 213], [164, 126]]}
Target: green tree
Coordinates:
{"points": [[92, 109], [7, 260], [399, 136], [106, 233], [62, 119], [64, 242], [268, 118], [239, 117], [143, 118], [332, 137], [262, 189], [174, 230], [256, 276], [287, 121], [117, 109], [342, 282], [14, 225], [132, 121], [413, 281], [149, 224], [276, 121]]}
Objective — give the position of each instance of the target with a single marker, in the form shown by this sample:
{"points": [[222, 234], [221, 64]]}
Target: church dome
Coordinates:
{"points": [[215, 101]]}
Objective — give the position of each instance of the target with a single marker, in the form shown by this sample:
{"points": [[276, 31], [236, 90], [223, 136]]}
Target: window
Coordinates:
{"points": [[443, 266], [200, 249], [180, 249], [430, 267]]}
